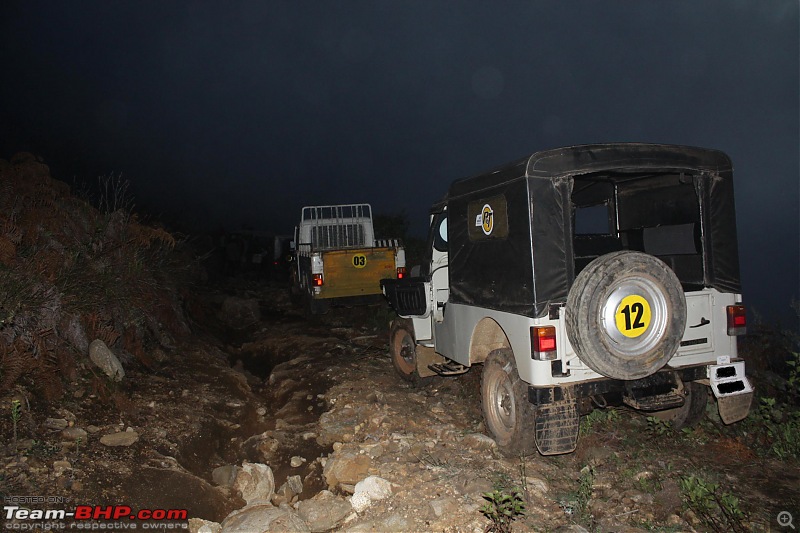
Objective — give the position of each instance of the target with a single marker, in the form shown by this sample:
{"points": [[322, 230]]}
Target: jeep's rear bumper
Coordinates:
{"points": [[658, 383]]}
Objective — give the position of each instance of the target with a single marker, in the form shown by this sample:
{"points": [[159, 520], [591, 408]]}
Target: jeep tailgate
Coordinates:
{"points": [[699, 334], [356, 272]]}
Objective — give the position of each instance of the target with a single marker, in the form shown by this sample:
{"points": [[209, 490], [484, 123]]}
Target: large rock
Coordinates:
{"points": [[256, 483], [478, 442], [123, 438], [159, 488], [224, 475], [289, 491], [346, 466], [337, 425], [198, 525], [369, 490], [74, 433], [264, 518], [56, 424], [324, 512], [104, 358]]}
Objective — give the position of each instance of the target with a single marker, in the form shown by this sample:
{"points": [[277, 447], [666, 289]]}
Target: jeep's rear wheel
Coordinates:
{"points": [[403, 349], [626, 315], [319, 307], [314, 306], [295, 290], [507, 413], [691, 412]]}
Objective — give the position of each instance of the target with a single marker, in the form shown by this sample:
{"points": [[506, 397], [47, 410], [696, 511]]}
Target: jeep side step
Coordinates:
{"points": [[656, 402], [655, 397], [449, 368]]}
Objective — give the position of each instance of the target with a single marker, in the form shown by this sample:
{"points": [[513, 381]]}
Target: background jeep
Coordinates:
{"points": [[582, 276]]}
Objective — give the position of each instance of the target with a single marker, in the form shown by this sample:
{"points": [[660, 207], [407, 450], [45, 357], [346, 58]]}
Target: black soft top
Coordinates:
{"points": [[535, 266], [589, 158]]}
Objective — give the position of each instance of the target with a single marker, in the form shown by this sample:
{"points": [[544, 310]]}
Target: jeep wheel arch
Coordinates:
{"points": [[487, 336], [626, 315]]}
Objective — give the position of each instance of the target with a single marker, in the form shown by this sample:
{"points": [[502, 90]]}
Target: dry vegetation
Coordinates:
{"points": [[71, 273]]}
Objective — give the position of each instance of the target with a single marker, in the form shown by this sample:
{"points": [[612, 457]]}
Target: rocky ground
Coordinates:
{"points": [[269, 421]]}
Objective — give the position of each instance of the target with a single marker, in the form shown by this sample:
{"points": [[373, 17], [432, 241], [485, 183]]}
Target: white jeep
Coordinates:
{"points": [[579, 277]]}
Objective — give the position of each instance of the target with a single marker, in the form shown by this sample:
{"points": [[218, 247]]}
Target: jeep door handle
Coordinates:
{"points": [[703, 322]]}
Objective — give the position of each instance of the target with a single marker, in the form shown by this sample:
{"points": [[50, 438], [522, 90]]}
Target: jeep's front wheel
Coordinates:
{"points": [[626, 315], [507, 413]]}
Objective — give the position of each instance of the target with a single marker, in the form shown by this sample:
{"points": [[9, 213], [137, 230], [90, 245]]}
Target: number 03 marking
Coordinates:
{"points": [[359, 260], [633, 316]]}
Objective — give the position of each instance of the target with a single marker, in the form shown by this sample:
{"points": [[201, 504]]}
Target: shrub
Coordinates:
{"points": [[502, 508]]}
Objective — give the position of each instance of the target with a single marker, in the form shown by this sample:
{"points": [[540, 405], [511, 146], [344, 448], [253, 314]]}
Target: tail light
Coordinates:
{"points": [[401, 272], [737, 320], [316, 280], [543, 343]]}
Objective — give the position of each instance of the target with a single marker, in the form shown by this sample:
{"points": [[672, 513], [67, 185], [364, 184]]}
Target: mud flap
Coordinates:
{"points": [[734, 408], [556, 428]]}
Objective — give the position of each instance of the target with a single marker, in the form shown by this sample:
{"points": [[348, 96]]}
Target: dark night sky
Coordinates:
{"points": [[241, 112]]}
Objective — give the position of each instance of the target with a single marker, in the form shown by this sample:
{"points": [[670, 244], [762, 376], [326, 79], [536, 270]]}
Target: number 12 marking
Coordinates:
{"points": [[633, 316], [637, 308]]}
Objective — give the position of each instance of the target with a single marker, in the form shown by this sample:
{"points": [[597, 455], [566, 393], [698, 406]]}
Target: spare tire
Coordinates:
{"points": [[626, 315]]}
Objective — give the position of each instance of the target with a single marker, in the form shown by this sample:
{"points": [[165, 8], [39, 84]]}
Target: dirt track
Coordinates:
{"points": [[306, 397]]}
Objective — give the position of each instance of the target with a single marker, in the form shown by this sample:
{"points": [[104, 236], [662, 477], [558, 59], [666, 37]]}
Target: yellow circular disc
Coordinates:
{"points": [[633, 316], [488, 219], [359, 260]]}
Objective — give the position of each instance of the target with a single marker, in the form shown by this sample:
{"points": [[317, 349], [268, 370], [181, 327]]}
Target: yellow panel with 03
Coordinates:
{"points": [[359, 260]]}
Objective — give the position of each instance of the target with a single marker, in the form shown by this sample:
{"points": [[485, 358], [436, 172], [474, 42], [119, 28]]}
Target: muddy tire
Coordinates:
{"points": [[626, 315], [403, 350], [508, 415], [316, 307], [313, 306], [691, 412], [295, 291]]}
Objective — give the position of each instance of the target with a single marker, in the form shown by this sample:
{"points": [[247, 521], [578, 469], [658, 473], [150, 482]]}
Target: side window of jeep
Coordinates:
{"points": [[440, 232]]}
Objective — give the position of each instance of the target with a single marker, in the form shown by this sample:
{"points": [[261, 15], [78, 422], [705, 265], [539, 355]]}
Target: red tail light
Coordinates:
{"points": [[543, 342], [401, 272], [316, 280], [737, 320]]}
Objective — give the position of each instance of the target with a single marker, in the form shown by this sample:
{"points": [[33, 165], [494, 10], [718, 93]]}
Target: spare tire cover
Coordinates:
{"points": [[626, 315]]}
